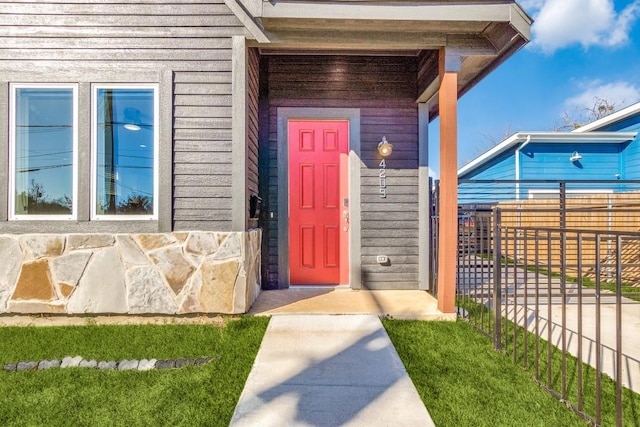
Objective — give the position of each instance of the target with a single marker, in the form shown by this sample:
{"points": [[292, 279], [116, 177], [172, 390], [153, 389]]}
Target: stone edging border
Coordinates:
{"points": [[123, 365]]}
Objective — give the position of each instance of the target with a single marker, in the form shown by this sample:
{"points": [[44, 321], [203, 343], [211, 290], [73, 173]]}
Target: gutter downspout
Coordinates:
{"points": [[517, 153]]}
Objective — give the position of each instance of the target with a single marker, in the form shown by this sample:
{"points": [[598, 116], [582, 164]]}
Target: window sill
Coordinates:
{"points": [[74, 226]]}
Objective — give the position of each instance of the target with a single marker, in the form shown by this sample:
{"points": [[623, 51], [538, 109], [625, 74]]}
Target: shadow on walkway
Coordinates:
{"points": [[328, 371]]}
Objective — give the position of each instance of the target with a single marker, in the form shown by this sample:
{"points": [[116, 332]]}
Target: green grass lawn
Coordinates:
{"points": [[461, 379], [515, 339], [192, 396], [465, 382]]}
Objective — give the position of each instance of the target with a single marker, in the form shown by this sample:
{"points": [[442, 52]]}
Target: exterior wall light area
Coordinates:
{"points": [[131, 119], [575, 156], [132, 127], [384, 148]]}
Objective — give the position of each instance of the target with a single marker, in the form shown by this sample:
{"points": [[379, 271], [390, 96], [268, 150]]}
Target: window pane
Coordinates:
{"points": [[43, 151], [125, 149]]}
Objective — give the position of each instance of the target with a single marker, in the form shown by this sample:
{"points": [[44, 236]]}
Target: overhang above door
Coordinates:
{"points": [[478, 35]]}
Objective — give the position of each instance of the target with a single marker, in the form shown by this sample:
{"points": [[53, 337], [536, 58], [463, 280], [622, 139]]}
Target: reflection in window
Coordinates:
{"points": [[43, 151], [125, 139]]}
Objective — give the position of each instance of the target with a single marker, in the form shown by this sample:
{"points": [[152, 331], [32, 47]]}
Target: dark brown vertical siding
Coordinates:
{"points": [[384, 89], [253, 83], [264, 166], [427, 68], [97, 41]]}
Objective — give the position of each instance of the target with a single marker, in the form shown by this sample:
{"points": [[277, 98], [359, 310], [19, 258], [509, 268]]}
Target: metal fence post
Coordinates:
{"points": [[563, 204], [497, 280], [434, 250], [618, 369]]}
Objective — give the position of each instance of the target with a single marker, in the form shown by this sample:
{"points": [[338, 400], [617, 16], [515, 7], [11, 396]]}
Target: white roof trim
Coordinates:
{"points": [[555, 137], [247, 20], [611, 118], [390, 11], [493, 152]]}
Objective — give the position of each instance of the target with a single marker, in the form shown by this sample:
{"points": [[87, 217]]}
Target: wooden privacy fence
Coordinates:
{"points": [[612, 212]]}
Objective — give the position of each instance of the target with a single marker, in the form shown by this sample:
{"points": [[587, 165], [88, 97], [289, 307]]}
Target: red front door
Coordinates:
{"points": [[318, 202]]}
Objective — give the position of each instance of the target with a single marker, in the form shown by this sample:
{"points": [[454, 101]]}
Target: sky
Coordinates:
{"points": [[580, 51]]}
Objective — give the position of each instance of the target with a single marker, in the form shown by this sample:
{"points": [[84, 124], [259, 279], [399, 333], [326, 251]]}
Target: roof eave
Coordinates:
{"points": [[481, 34], [554, 137], [386, 11], [611, 118]]}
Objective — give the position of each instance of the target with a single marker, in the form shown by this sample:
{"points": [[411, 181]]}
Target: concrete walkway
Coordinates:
{"points": [[629, 330], [578, 317], [328, 370]]}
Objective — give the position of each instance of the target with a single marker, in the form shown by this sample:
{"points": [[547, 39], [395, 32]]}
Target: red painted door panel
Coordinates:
{"points": [[318, 193]]}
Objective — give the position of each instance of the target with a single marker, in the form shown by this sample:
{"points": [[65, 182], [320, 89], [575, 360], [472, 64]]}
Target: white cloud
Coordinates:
{"points": [[620, 33], [531, 6], [562, 23], [619, 94]]}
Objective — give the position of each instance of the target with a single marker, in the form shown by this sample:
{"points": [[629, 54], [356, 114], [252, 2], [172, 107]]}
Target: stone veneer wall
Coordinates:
{"points": [[164, 273]]}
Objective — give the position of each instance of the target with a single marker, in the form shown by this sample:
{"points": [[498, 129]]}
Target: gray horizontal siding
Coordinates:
{"points": [[188, 180], [123, 41], [202, 100], [384, 89], [202, 122], [218, 166], [115, 54], [87, 42], [117, 32], [100, 71], [210, 192], [202, 224], [137, 8]]}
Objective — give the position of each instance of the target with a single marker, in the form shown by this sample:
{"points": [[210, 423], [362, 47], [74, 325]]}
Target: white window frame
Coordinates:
{"points": [[13, 88], [569, 193], [94, 151]]}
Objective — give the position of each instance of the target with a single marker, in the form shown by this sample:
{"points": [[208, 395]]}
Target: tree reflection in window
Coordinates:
{"points": [[43, 151]]}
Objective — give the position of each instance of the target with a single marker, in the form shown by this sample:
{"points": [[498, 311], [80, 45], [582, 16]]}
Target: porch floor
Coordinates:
{"points": [[404, 304], [401, 304]]}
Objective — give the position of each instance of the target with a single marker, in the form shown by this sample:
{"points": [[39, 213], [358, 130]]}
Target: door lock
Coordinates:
{"points": [[345, 215]]}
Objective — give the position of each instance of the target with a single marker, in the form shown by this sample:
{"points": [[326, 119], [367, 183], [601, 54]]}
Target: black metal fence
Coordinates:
{"points": [[559, 292]]}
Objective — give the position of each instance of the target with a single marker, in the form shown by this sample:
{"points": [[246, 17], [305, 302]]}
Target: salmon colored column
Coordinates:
{"points": [[448, 238]]}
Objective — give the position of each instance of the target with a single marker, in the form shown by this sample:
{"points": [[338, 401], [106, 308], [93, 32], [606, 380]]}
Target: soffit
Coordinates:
{"points": [[482, 34], [441, 28]]}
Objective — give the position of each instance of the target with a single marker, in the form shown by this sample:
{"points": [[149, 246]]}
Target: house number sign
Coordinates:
{"points": [[383, 178]]}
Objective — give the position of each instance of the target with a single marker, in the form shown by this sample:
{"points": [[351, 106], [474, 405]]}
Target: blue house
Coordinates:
{"points": [[597, 155]]}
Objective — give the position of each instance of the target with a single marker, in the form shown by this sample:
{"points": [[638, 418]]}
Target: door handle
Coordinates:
{"points": [[345, 215]]}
